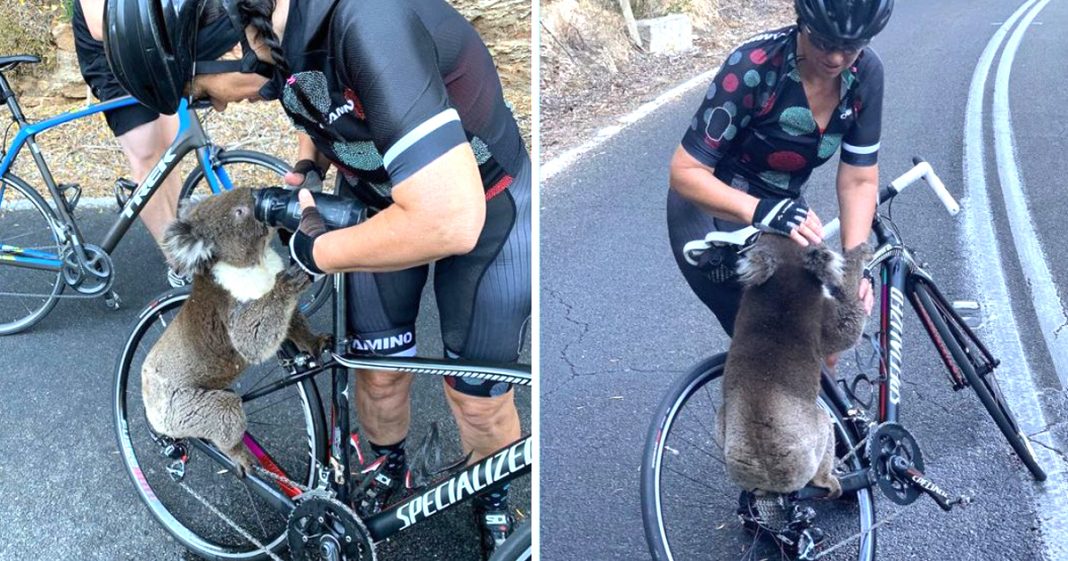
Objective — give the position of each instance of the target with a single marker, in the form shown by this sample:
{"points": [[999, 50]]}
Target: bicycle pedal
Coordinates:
{"points": [[176, 470], [70, 201], [124, 189]]}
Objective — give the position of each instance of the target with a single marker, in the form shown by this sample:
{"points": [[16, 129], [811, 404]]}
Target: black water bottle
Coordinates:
{"points": [[280, 208]]}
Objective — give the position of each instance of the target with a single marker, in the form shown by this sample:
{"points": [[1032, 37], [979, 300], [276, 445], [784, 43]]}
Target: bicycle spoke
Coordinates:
{"points": [[701, 483], [269, 405]]}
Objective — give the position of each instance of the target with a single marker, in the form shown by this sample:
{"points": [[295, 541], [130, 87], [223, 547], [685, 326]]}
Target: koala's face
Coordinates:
{"points": [[218, 228]]}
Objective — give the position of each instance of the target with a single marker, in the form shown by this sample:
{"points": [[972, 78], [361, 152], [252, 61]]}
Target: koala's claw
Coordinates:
{"points": [[296, 279], [243, 460]]}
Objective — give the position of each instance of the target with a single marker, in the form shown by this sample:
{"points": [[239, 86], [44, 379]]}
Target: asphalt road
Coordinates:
{"points": [[619, 323], [65, 493]]}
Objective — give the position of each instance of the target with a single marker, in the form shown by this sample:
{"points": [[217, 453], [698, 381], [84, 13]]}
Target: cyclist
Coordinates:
{"points": [[782, 104], [403, 99], [143, 133]]}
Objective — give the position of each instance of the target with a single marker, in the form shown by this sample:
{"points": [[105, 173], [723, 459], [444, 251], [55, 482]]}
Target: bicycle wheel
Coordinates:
{"points": [[287, 423], [963, 347], [243, 168], [517, 547], [688, 504], [26, 295]]}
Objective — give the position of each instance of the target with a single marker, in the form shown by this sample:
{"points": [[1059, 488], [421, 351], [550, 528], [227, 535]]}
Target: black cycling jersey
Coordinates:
{"points": [[384, 87], [755, 123]]}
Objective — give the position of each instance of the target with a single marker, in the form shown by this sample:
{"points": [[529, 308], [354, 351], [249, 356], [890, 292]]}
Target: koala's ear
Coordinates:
{"points": [[825, 264], [186, 252], [757, 265]]}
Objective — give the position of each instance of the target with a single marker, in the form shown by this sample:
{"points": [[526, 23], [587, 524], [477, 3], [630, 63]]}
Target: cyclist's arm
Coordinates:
{"points": [[858, 195], [696, 181], [719, 122], [858, 172], [439, 203], [94, 17], [437, 212]]}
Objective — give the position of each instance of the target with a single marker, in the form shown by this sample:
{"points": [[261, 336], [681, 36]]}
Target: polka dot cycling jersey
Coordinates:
{"points": [[755, 123], [384, 87]]}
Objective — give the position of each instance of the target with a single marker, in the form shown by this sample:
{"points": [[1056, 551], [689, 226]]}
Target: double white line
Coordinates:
{"points": [[1015, 377]]}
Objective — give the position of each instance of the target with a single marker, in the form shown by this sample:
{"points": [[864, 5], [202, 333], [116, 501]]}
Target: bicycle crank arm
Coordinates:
{"points": [[917, 479]]}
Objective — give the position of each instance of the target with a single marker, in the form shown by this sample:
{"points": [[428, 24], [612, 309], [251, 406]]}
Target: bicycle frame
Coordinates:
{"points": [[504, 465], [191, 137], [899, 274]]}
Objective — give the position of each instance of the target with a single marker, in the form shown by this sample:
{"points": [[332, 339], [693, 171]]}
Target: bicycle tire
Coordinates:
{"points": [[664, 418], [319, 293], [14, 276], [986, 386], [147, 469], [517, 547]]}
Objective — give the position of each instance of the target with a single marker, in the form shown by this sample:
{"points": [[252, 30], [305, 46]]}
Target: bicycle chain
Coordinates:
{"points": [[244, 533], [251, 539]]}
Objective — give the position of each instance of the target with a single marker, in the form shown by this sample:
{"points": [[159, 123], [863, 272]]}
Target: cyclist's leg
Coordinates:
{"points": [[143, 134], [484, 303], [144, 146], [382, 312], [718, 289]]}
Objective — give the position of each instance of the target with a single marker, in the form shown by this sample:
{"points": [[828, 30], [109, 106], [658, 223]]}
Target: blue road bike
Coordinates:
{"points": [[42, 250]]}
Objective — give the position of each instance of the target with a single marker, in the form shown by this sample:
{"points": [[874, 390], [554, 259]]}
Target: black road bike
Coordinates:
{"points": [[42, 250], [299, 495], [691, 511]]}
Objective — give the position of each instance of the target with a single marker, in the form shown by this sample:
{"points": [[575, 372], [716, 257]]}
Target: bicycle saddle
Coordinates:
{"points": [[10, 62]]}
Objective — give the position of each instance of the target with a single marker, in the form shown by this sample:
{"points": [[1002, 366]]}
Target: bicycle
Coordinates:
{"points": [[299, 495], [51, 253], [872, 453]]}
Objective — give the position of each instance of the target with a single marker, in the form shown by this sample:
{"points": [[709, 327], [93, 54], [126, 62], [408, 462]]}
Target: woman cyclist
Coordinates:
{"points": [[403, 99], [782, 104]]}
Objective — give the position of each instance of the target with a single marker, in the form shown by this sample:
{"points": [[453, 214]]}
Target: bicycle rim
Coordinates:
{"points": [[242, 168], [26, 295], [688, 504], [287, 424], [986, 385]]}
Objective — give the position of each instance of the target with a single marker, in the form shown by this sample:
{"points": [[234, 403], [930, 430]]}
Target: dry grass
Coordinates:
{"points": [[591, 73]]}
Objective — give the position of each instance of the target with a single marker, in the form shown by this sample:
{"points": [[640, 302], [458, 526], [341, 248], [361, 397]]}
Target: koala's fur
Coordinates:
{"points": [[797, 308], [242, 306]]}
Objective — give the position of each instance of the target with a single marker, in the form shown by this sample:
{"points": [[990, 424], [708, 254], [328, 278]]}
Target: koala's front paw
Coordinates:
{"points": [[294, 279], [825, 263], [858, 256]]}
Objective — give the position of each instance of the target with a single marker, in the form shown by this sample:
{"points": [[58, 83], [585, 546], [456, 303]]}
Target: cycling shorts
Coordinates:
{"points": [[483, 297]]}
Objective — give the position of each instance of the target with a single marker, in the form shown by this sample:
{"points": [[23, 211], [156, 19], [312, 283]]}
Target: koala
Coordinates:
{"points": [[242, 306], [798, 306]]}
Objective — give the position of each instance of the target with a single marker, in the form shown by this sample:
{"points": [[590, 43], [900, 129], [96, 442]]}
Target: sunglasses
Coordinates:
{"points": [[826, 45]]}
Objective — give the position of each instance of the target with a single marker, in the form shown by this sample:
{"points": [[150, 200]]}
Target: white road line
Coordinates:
{"points": [[980, 242], [563, 161], [1033, 262]]}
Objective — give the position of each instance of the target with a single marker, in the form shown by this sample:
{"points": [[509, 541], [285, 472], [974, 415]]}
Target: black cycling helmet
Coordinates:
{"points": [[844, 21], [154, 47]]}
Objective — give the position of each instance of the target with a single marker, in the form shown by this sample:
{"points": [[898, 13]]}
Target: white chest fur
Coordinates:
{"points": [[249, 283]]}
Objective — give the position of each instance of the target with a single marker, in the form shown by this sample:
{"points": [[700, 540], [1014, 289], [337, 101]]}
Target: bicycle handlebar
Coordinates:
{"points": [[921, 169]]}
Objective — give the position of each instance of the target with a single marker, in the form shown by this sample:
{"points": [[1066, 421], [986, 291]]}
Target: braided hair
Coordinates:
{"points": [[258, 14]]}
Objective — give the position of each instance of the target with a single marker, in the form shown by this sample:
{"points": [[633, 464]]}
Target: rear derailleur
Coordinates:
{"points": [[790, 524]]}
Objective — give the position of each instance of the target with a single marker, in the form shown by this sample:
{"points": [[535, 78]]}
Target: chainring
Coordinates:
{"points": [[98, 276], [884, 443], [321, 528]]}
